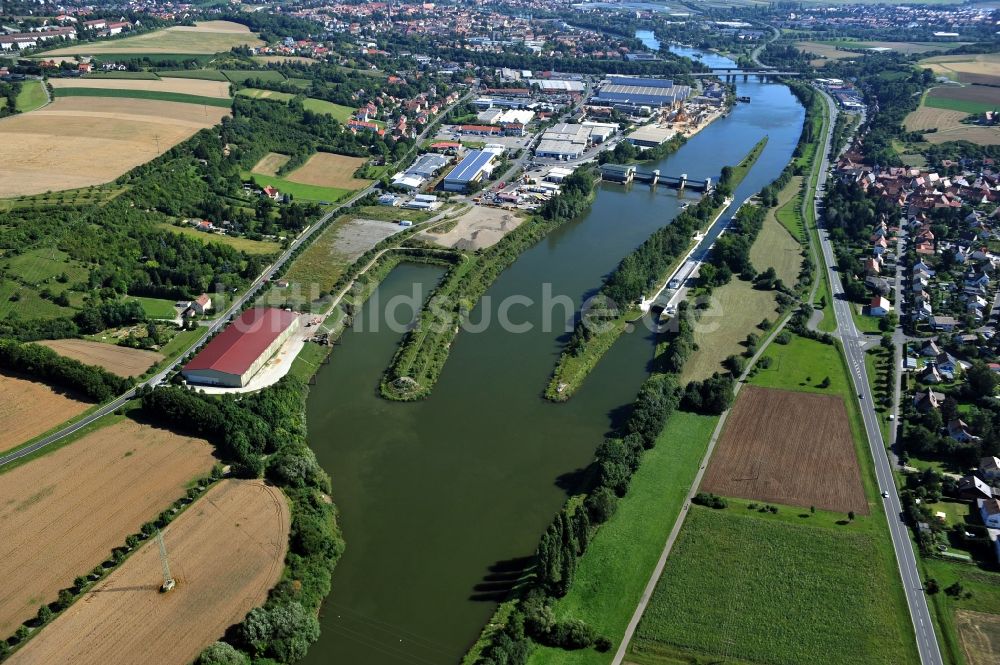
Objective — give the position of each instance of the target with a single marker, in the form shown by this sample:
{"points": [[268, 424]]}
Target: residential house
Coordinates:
{"points": [[930, 349], [878, 285], [947, 365], [958, 429], [972, 488], [927, 400], [873, 266], [989, 469], [931, 375], [202, 304], [989, 510], [945, 323], [879, 306]]}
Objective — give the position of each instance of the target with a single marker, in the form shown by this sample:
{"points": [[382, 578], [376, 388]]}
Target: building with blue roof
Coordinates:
{"points": [[635, 91], [475, 165]]}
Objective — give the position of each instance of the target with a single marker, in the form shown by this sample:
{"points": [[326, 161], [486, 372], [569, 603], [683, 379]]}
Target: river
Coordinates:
{"points": [[439, 499]]}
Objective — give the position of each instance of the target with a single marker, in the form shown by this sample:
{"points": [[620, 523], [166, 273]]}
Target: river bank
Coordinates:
{"points": [[442, 499]]}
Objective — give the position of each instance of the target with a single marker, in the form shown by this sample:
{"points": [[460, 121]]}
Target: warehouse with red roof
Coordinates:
{"points": [[238, 352]]}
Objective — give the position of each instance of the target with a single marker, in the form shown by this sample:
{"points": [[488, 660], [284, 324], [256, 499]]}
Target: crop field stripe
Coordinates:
{"points": [[144, 94]]}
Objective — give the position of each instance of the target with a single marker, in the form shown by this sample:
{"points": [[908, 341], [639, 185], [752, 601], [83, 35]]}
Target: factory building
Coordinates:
{"points": [[632, 93], [422, 170], [472, 169], [234, 356], [564, 141]]}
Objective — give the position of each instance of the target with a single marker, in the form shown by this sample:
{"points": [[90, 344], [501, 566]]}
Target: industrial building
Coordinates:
{"points": [[632, 93], [472, 169], [650, 136], [422, 170], [564, 141], [238, 352], [556, 86]]}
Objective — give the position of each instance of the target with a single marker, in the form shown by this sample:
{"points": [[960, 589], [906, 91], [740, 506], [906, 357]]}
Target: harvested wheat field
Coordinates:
{"points": [[480, 227], [226, 552], [119, 360], [29, 408], [325, 169], [204, 37], [788, 447], [199, 87], [955, 66], [82, 141], [270, 163], [980, 635], [62, 514], [949, 127]]}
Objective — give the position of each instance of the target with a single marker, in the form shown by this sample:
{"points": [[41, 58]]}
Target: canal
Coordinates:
{"points": [[439, 498]]}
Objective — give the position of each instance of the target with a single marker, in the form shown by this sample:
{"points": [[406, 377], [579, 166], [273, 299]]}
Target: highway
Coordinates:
{"points": [[853, 340]]}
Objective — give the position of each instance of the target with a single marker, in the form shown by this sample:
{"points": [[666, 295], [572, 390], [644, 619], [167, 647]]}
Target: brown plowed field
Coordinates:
{"points": [[325, 169], [28, 408], [81, 141], [61, 514], [119, 360], [226, 552], [788, 447]]}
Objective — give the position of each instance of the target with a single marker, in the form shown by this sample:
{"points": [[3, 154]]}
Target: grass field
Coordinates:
{"points": [[205, 37], [960, 620], [31, 97], [119, 360], [969, 99], [298, 190], [776, 248], [735, 311], [338, 111], [241, 75], [743, 588], [156, 308], [115, 74], [226, 552], [80, 141], [29, 408], [621, 556], [325, 169], [776, 444], [143, 94], [802, 364], [181, 86], [257, 93], [242, 244], [279, 59], [62, 513]]}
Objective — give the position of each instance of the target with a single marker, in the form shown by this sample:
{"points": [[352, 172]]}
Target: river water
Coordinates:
{"points": [[440, 499]]}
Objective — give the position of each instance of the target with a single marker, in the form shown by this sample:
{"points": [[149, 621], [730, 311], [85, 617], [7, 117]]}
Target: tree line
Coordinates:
{"points": [[43, 364]]}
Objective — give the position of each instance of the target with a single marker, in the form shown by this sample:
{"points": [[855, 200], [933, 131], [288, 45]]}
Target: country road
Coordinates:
{"points": [[853, 340]]}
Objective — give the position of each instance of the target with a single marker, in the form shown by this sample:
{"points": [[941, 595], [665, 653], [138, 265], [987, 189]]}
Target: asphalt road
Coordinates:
{"points": [[853, 340]]}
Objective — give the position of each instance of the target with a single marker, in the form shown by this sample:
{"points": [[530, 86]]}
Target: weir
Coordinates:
{"points": [[626, 174]]}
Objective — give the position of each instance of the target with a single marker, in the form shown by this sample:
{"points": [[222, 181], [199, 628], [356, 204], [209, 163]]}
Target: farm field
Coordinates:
{"points": [[740, 587], [801, 365], [29, 408], [241, 75], [226, 552], [202, 74], [611, 576], [737, 309], [242, 244], [31, 97], [968, 68], [76, 142], [278, 59], [184, 86], [119, 360], [143, 94], [326, 169], [270, 163], [778, 444], [968, 99], [949, 126], [980, 635], [257, 93], [204, 37], [62, 513], [969, 626]]}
